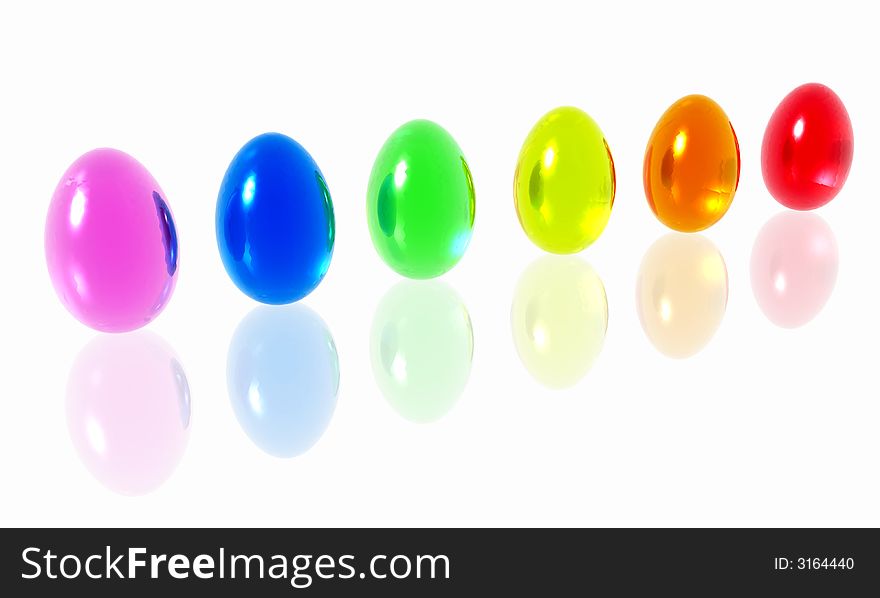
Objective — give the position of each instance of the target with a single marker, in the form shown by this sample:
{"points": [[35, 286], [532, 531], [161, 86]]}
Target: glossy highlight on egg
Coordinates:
{"points": [[564, 184], [111, 242], [692, 165]]}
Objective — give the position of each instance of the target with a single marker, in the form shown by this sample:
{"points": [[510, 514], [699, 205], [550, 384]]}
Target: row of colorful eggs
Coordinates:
{"points": [[112, 247]]}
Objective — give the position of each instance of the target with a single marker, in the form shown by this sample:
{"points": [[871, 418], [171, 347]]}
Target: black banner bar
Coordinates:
{"points": [[439, 562]]}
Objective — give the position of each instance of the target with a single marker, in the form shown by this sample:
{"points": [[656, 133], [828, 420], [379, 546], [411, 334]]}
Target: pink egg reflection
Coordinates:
{"points": [[128, 411], [111, 243], [794, 267]]}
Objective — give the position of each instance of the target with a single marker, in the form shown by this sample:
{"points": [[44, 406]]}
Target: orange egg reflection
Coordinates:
{"points": [[691, 168], [681, 293]]}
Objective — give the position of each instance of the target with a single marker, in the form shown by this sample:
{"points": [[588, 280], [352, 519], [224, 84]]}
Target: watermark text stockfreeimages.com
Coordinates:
{"points": [[300, 570]]}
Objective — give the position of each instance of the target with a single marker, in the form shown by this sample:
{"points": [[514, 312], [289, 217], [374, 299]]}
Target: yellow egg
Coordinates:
{"points": [[564, 183], [559, 318]]}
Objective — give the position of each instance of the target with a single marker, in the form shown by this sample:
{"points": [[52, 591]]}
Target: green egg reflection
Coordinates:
{"points": [[559, 319], [421, 347]]}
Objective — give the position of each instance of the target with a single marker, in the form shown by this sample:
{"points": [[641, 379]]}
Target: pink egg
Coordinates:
{"points": [[128, 411], [794, 267], [111, 244]]}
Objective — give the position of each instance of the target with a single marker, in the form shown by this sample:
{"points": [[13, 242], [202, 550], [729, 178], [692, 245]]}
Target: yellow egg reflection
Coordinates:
{"points": [[559, 319], [681, 293]]}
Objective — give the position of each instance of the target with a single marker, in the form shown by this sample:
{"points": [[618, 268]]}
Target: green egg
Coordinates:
{"points": [[420, 201]]}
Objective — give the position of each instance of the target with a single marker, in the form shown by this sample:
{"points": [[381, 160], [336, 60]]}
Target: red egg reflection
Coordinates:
{"points": [[794, 267]]}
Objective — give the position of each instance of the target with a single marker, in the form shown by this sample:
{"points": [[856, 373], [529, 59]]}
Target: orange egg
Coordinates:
{"points": [[692, 165]]}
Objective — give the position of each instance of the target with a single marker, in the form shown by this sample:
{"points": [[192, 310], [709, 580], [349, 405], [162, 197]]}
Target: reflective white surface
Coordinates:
{"points": [[763, 426]]}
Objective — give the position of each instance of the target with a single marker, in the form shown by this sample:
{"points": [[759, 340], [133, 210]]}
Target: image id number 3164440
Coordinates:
{"points": [[814, 563]]}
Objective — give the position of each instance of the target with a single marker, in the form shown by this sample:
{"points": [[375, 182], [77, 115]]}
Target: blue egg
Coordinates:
{"points": [[275, 224], [283, 378]]}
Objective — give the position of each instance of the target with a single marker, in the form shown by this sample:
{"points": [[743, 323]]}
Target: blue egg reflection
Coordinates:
{"points": [[283, 378]]}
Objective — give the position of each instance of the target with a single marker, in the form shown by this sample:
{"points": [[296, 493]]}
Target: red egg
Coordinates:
{"points": [[808, 148]]}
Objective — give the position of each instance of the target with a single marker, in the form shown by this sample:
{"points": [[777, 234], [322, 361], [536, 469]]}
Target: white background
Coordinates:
{"points": [[764, 427]]}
